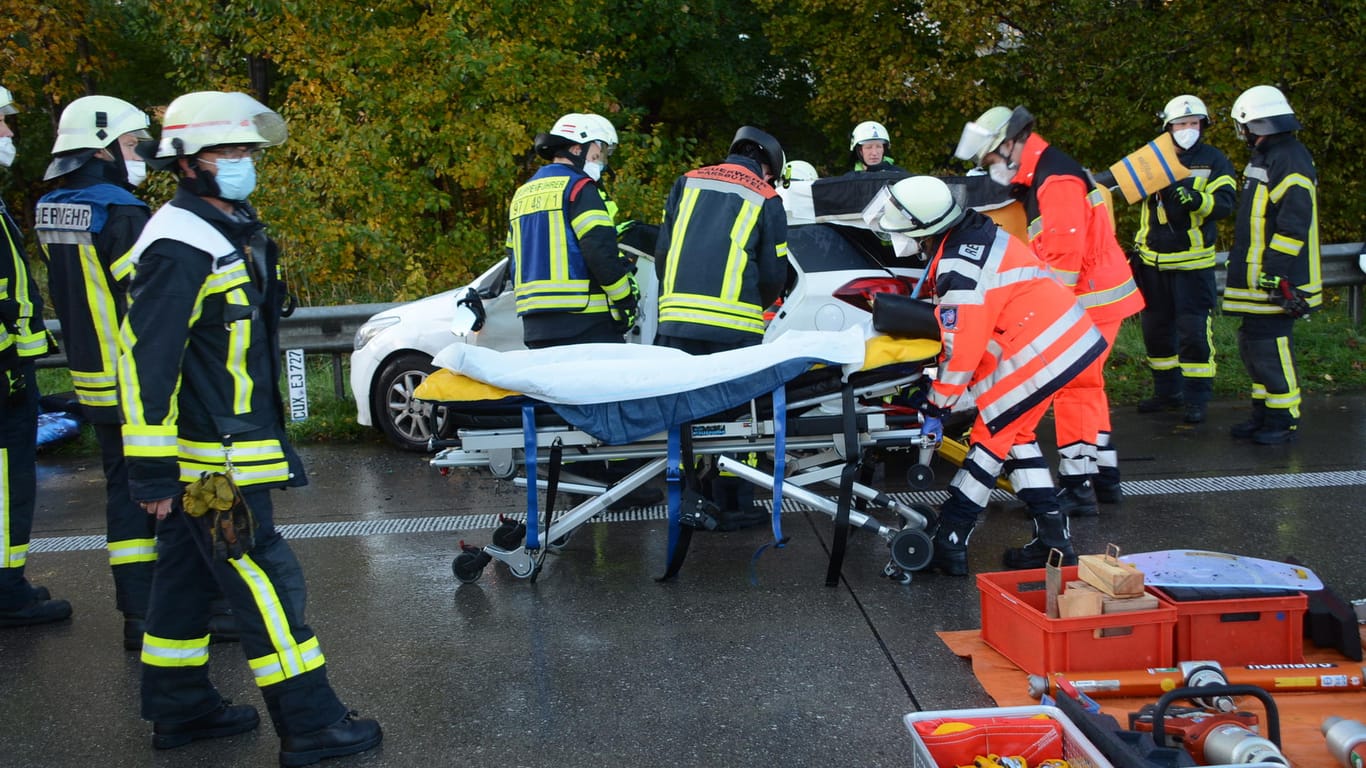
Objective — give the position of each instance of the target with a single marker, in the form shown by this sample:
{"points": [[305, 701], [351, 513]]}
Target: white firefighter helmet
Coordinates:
{"points": [[604, 129], [920, 206], [212, 118], [92, 123], [581, 128], [1184, 105], [869, 130], [1262, 110], [988, 132], [7, 102], [575, 128], [800, 170]]}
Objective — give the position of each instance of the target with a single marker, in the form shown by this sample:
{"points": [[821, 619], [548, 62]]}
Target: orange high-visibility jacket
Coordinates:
{"points": [[1070, 229], [1012, 334]]}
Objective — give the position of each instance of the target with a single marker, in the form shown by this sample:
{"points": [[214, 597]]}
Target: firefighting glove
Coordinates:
{"points": [[624, 317], [1285, 295], [626, 310], [232, 526], [15, 388], [1188, 198]]}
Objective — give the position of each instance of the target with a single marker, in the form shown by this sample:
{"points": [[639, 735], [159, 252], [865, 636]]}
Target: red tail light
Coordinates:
{"points": [[860, 292]]}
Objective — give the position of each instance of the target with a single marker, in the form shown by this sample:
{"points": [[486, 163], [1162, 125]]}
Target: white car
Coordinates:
{"points": [[836, 264]]}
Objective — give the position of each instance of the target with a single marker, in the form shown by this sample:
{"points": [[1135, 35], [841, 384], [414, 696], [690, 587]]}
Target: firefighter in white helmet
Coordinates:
{"points": [[1274, 275], [572, 284], [23, 339], [1175, 266], [199, 373], [84, 225], [869, 143], [1012, 337]]}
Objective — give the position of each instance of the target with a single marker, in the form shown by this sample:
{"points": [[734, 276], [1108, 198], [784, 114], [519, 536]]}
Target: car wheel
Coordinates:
{"points": [[407, 422]]}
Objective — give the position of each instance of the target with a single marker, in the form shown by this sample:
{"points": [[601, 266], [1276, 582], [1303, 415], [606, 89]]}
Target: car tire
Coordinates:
{"points": [[406, 422]]}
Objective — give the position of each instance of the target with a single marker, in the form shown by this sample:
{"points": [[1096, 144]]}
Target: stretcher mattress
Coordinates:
{"points": [[620, 393]]}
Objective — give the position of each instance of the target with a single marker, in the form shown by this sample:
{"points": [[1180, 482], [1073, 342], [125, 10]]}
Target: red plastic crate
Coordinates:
{"points": [[1239, 631], [1014, 623]]}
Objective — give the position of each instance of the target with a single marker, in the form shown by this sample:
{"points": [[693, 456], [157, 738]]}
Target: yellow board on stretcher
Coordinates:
{"points": [[1150, 168], [956, 452], [1011, 218]]}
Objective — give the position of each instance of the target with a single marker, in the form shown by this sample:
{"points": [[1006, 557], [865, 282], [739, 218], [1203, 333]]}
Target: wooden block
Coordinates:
{"points": [[1111, 604], [1076, 602], [1110, 575], [1144, 602]]}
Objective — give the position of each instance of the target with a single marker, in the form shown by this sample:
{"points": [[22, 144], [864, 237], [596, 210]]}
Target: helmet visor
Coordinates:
{"points": [[975, 143]]}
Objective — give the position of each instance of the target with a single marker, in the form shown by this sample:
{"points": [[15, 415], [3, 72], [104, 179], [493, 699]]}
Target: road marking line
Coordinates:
{"points": [[458, 523]]}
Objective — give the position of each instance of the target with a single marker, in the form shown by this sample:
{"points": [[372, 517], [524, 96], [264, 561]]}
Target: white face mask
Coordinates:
{"points": [[1186, 137], [594, 170], [1001, 173], [137, 172], [6, 151]]}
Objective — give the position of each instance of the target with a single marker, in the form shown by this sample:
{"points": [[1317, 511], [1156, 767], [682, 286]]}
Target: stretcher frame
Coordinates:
{"points": [[830, 453]]}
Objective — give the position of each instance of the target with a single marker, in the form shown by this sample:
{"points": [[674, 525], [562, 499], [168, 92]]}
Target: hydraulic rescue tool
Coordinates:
{"points": [[1346, 739], [1213, 737], [1306, 676]]}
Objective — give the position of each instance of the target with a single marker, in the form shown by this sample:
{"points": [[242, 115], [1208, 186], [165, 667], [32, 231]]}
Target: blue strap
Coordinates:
{"points": [[779, 460], [674, 477], [533, 535]]}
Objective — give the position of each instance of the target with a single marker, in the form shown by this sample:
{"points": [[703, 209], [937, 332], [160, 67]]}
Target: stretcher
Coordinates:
{"points": [[815, 404]]}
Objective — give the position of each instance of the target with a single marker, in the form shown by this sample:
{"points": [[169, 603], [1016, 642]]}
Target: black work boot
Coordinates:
{"points": [[951, 549], [1166, 393], [1077, 497], [347, 736], [1278, 429], [36, 611], [1050, 532], [224, 721], [1197, 393], [1244, 430]]}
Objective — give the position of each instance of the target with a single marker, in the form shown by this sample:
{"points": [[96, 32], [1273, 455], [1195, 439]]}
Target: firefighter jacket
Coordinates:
{"points": [[721, 256], [1171, 236], [199, 356], [83, 228], [1012, 334], [1070, 230], [1277, 229], [22, 332], [562, 242]]}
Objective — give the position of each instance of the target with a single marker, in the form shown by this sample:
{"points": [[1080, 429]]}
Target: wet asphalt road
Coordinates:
{"points": [[734, 663]]}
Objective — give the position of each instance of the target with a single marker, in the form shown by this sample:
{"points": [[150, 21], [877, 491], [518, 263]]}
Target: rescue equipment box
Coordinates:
{"points": [[953, 737], [1015, 624], [1236, 626]]}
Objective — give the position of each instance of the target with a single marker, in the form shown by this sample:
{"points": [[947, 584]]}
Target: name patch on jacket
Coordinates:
{"points": [[64, 216], [948, 316]]}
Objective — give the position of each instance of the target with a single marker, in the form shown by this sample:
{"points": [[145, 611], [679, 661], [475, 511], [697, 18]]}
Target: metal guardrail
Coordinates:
{"points": [[332, 330]]}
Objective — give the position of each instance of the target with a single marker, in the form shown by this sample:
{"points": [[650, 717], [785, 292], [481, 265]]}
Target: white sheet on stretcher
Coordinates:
{"points": [[585, 374]]}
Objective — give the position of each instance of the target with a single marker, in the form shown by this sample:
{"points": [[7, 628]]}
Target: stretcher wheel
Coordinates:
{"points": [[920, 477], [926, 511], [468, 567], [912, 549]]}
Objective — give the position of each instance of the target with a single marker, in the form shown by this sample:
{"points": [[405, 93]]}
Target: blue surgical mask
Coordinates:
{"points": [[236, 178]]}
